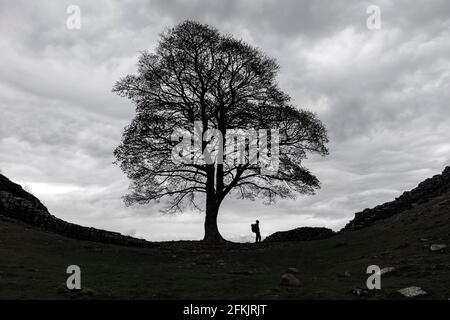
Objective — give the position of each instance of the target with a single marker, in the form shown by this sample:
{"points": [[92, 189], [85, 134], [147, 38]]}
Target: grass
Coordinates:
{"points": [[33, 264]]}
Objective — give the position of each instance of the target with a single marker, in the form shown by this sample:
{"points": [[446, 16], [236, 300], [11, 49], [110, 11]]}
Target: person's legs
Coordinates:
{"points": [[258, 237]]}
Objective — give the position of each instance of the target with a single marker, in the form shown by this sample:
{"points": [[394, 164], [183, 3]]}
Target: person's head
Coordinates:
{"points": [[257, 221]]}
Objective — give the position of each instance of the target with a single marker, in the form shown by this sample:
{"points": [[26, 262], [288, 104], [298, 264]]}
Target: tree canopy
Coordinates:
{"points": [[197, 74]]}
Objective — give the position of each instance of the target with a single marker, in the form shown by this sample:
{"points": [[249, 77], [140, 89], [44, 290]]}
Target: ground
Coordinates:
{"points": [[33, 264]]}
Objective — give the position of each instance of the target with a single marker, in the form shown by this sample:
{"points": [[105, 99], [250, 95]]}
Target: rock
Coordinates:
{"points": [[16, 203], [17, 191], [288, 279], [386, 270], [437, 247], [292, 270], [300, 234], [412, 292], [425, 191]]}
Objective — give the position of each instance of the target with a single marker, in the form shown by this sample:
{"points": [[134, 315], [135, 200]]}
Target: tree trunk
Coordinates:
{"points": [[212, 233]]}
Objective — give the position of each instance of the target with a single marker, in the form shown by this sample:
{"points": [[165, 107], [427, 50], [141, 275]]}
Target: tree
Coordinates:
{"points": [[198, 74]]}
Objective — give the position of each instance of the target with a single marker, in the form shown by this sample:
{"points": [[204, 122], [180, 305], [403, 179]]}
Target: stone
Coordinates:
{"points": [[292, 270], [300, 234], [412, 292], [18, 204], [437, 247], [424, 192], [288, 279]]}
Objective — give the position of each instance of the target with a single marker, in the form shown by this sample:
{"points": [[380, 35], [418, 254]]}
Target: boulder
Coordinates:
{"points": [[438, 247], [411, 292], [288, 279], [300, 234]]}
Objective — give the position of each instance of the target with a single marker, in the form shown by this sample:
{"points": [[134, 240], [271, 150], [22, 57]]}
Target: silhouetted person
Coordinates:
{"points": [[255, 229]]}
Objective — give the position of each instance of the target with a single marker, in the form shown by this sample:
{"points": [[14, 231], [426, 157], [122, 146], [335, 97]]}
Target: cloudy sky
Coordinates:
{"points": [[382, 93]]}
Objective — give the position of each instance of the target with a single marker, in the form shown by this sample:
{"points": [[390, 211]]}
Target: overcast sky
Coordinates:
{"points": [[383, 95]]}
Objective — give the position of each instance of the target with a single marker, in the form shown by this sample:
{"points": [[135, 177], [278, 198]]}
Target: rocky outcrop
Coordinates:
{"points": [[424, 192], [18, 204], [16, 190], [301, 234]]}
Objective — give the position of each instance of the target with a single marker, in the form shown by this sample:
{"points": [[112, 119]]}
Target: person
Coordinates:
{"points": [[255, 229]]}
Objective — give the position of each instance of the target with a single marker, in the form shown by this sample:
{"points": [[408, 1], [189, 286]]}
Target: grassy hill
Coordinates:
{"points": [[33, 263]]}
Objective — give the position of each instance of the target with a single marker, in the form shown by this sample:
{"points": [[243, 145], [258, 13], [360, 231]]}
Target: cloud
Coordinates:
{"points": [[382, 94]]}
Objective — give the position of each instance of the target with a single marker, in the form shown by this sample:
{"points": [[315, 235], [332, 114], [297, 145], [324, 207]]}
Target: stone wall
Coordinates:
{"points": [[425, 191], [18, 204], [301, 234]]}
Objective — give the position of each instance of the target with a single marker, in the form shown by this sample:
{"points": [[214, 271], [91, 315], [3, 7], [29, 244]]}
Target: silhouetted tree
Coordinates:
{"points": [[198, 74]]}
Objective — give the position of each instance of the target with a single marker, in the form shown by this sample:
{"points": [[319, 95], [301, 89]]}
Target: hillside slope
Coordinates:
{"points": [[18, 204], [33, 263], [425, 191]]}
